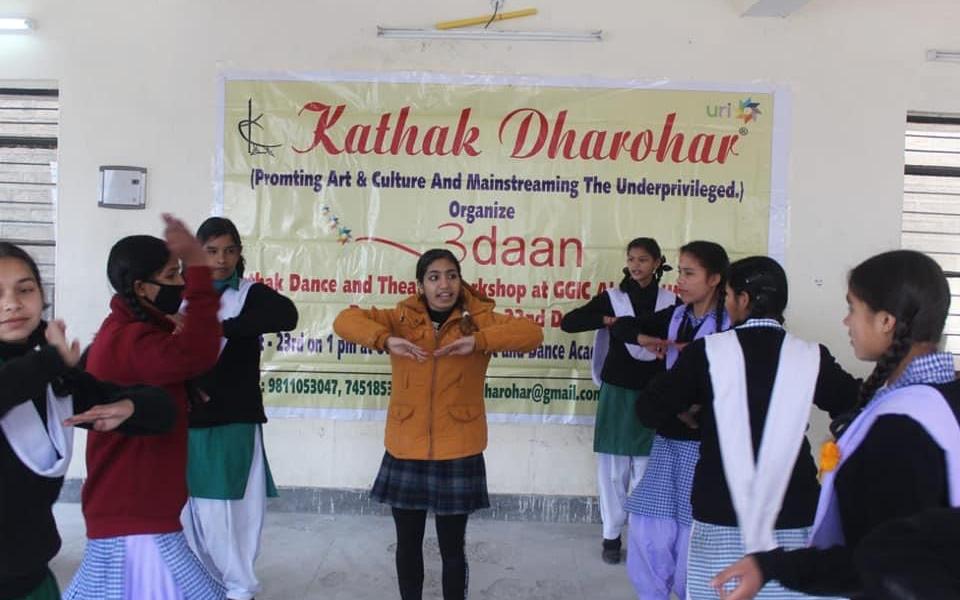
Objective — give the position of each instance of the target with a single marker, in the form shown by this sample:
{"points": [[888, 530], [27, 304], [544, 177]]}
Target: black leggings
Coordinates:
{"points": [[450, 534]]}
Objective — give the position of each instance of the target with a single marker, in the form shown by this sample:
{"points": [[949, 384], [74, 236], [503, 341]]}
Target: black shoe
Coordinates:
{"points": [[611, 551]]}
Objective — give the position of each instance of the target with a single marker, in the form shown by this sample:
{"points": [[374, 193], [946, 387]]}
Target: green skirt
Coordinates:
{"points": [[47, 590], [618, 430], [219, 459]]}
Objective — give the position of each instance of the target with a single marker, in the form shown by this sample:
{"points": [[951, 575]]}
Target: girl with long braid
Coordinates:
{"points": [[755, 485], [899, 453], [621, 370], [659, 507], [137, 487]]}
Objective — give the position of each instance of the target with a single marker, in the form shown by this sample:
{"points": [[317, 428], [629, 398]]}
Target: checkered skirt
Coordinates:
{"points": [[664, 491], [444, 487], [713, 548], [101, 572]]}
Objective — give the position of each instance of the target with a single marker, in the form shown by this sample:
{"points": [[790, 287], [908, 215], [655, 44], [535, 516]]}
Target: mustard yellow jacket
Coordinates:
{"points": [[436, 409]]}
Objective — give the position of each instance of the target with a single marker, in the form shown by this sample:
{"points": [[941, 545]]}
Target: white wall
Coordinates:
{"points": [[138, 86]]}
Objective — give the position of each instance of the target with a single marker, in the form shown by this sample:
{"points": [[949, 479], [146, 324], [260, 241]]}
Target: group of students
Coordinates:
{"points": [[701, 432], [177, 477]]}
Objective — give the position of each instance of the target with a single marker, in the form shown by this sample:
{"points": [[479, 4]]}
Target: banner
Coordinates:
{"points": [[338, 182]]}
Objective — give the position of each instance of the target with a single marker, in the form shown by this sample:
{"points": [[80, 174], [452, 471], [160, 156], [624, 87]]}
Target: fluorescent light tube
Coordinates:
{"points": [[404, 33], [943, 55], [15, 24]]}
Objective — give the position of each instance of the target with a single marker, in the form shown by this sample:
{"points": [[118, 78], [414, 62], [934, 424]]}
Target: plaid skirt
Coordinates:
{"points": [[444, 487], [713, 548], [664, 492], [106, 562]]}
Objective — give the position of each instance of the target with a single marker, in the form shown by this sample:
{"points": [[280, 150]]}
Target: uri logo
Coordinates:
{"points": [[748, 110]]}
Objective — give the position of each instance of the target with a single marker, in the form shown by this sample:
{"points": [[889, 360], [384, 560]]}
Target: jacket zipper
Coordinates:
{"points": [[433, 385]]}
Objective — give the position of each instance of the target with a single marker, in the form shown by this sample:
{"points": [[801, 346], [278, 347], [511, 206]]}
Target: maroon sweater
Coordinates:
{"points": [[138, 485]]}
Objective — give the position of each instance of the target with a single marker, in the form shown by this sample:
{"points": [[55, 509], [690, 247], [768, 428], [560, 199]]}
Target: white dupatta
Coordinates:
{"points": [[757, 487], [45, 450]]}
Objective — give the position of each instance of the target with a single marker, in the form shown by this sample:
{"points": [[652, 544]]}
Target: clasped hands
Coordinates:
{"points": [[406, 348], [658, 346]]}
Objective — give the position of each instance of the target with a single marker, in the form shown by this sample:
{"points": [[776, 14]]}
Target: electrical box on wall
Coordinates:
{"points": [[123, 187]]}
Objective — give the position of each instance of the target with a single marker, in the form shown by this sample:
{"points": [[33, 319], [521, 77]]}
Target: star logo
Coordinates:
{"points": [[748, 110]]}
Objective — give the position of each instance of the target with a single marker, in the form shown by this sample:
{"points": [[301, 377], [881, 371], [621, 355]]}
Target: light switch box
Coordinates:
{"points": [[123, 187]]}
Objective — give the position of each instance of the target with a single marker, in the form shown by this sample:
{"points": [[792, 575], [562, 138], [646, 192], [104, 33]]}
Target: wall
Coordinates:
{"points": [[138, 86]]}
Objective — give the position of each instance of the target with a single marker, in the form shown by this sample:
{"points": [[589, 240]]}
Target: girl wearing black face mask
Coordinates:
{"points": [[136, 487]]}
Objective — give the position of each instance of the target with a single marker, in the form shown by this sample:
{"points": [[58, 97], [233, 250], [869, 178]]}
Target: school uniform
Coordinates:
{"points": [[898, 458], [620, 369], [659, 507], [37, 392], [755, 386], [916, 557], [228, 475], [136, 487]]}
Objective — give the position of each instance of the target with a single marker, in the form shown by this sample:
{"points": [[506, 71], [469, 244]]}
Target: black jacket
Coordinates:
{"points": [[896, 472], [657, 325], [619, 368], [28, 533], [688, 384], [231, 391]]}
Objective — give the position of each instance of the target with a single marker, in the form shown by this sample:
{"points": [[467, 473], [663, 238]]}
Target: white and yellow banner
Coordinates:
{"points": [[338, 182]]}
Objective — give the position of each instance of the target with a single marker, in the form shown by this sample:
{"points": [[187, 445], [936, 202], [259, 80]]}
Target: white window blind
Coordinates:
{"points": [[29, 119], [931, 203]]}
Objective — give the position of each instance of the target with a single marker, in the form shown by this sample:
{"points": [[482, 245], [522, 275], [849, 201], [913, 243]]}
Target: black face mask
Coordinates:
{"points": [[169, 298]]}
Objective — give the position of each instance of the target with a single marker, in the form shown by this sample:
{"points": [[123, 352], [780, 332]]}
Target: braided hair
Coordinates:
{"points": [[713, 258], [135, 258], [467, 325], [911, 287], [651, 247]]}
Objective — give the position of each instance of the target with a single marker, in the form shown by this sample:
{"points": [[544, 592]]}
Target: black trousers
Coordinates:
{"points": [[450, 534]]}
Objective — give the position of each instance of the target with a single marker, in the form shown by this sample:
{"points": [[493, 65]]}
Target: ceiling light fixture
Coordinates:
{"points": [[943, 55], [15, 24], [407, 33]]}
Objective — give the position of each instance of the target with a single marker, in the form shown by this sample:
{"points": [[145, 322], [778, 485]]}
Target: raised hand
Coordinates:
{"points": [[461, 347], [56, 335], [104, 417], [405, 348], [182, 243]]}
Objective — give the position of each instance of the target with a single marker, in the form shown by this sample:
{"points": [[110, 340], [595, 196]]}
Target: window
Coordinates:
{"points": [[931, 203], [29, 120]]}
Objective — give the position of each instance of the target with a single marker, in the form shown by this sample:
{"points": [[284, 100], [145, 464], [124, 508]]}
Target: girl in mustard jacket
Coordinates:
{"points": [[439, 343]]}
